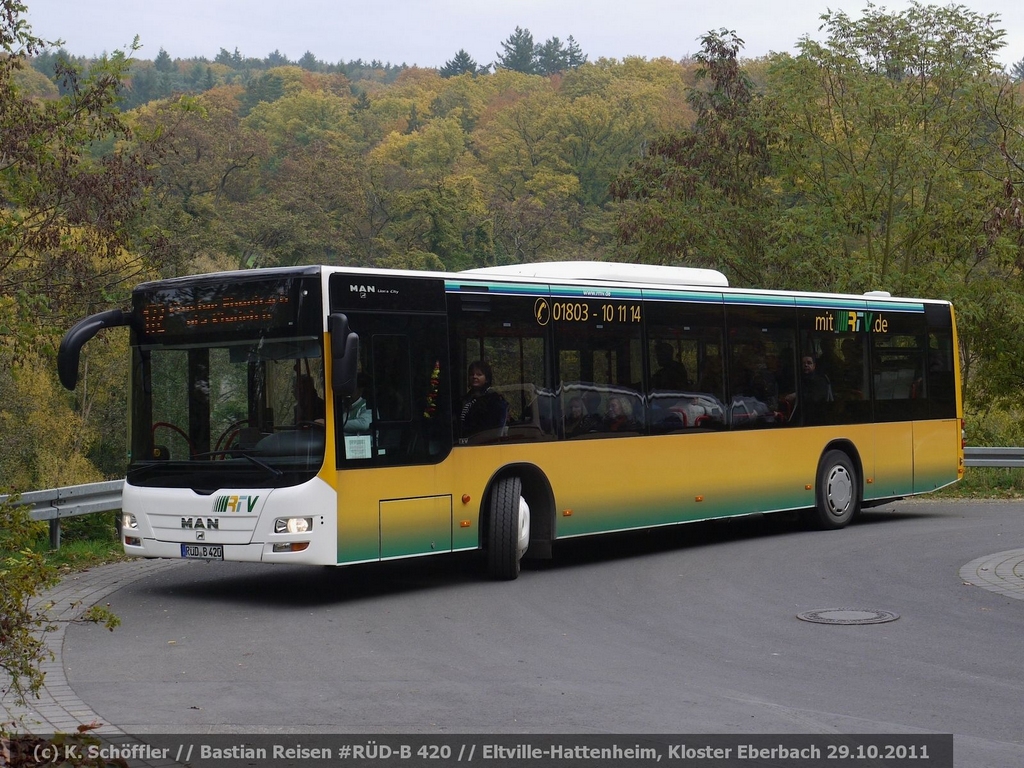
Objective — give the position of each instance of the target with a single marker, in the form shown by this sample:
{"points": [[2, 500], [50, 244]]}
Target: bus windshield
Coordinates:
{"points": [[208, 416], [227, 381]]}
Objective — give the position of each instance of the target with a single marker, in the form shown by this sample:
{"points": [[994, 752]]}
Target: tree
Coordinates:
{"points": [[310, 62], [211, 164], [233, 60], [276, 59], [267, 87], [700, 196], [990, 341], [435, 207], [883, 140], [551, 57], [24, 573], [62, 228], [574, 56], [163, 62], [462, 64], [519, 53], [67, 212], [1017, 71], [533, 192]]}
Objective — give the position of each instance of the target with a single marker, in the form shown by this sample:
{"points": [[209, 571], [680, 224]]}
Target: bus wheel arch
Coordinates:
{"points": [[838, 490], [502, 519]]}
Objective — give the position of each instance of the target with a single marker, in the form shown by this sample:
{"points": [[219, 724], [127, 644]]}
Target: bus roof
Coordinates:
{"points": [[608, 271], [644, 276]]}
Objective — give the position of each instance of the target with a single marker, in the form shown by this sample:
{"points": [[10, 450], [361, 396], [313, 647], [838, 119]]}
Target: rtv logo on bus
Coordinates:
{"points": [[851, 322], [235, 504]]}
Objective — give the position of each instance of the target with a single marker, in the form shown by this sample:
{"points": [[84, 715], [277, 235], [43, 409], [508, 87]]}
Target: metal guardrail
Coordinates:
{"points": [[994, 457], [57, 503]]}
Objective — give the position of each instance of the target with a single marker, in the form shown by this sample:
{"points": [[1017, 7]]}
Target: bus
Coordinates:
{"points": [[621, 397]]}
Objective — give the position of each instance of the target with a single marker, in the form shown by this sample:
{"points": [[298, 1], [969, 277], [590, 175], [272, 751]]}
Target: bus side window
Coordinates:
{"points": [[939, 386], [405, 384], [503, 333], [762, 363]]}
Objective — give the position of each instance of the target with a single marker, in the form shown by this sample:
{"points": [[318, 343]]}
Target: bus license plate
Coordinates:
{"points": [[202, 551]]}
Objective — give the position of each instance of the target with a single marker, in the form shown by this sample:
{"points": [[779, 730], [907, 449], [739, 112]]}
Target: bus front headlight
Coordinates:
{"points": [[129, 522], [293, 524]]}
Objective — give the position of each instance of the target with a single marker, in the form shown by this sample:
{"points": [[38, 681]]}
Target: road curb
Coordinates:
{"points": [[1002, 572], [58, 709]]}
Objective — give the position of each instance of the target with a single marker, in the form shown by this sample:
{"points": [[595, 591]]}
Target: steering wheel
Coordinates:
{"points": [[174, 428], [228, 435]]}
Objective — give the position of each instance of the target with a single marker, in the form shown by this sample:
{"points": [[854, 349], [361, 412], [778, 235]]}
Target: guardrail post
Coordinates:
{"points": [[55, 533]]}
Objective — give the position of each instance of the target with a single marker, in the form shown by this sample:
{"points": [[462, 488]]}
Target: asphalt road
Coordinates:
{"points": [[687, 630]]}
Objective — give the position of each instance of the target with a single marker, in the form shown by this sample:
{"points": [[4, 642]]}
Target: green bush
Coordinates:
{"points": [[25, 572]]}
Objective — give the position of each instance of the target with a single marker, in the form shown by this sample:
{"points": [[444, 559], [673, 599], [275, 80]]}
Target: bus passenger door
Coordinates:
{"points": [[392, 433]]}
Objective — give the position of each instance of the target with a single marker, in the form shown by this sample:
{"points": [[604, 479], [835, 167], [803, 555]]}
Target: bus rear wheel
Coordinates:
{"points": [[837, 496], [508, 530]]}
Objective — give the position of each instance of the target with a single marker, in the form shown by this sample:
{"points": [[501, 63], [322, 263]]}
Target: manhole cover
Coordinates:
{"points": [[847, 616]]}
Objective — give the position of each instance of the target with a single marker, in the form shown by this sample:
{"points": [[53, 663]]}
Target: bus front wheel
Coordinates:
{"points": [[837, 497], [508, 532]]}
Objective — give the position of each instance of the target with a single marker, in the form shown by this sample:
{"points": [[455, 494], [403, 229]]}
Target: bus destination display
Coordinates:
{"points": [[227, 311], [198, 310]]}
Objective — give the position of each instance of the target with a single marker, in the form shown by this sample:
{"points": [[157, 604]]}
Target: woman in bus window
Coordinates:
{"points": [[620, 415], [576, 418], [482, 407]]}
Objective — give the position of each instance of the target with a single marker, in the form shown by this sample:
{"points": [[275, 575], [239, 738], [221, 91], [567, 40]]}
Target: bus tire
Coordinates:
{"points": [[508, 531], [837, 495]]}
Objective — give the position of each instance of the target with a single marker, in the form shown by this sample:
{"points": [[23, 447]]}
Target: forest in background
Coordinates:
{"points": [[886, 157]]}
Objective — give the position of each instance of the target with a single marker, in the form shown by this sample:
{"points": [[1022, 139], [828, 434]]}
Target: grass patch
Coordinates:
{"points": [[85, 541], [987, 483], [81, 555]]}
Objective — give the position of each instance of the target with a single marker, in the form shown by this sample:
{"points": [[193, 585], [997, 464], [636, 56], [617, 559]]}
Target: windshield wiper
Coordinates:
{"points": [[235, 452], [139, 470]]}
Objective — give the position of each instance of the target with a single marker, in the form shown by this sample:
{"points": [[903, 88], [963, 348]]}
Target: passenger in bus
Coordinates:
{"points": [[357, 412], [591, 421], [671, 374], [482, 407], [309, 406], [813, 383], [620, 415], [815, 389], [576, 422], [849, 370]]}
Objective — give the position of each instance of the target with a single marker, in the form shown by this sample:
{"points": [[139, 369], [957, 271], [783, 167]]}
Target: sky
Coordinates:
{"points": [[430, 32]]}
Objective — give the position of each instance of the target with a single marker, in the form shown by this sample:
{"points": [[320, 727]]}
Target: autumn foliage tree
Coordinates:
{"points": [[66, 212], [700, 196], [64, 219], [894, 170], [73, 181]]}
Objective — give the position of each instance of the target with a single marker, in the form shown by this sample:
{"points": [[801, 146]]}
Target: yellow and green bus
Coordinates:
{"points": [[325, 415]]}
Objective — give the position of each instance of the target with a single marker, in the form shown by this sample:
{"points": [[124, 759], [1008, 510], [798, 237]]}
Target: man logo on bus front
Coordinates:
{"points": [[200, 535]]}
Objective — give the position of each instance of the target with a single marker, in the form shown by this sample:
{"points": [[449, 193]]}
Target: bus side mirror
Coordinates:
{"points": [[73, 341], [344, 356]]}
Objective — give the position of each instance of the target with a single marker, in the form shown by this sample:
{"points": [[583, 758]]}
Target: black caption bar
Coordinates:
{"points": [[493, 751]]}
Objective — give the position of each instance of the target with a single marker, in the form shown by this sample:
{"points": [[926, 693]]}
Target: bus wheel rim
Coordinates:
{"points": [[839, 490]]}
